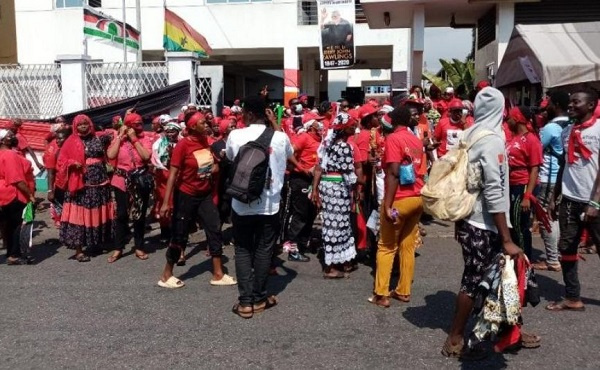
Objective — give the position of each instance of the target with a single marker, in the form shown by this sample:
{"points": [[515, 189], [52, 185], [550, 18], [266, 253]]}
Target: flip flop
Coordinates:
{"points": [[377, 300], [452, 351], [82, 258], [530, 341], [399, 297], [142, 257], [337, 275], [171, 283], [226, 280], [113, 258], [562, 306]]}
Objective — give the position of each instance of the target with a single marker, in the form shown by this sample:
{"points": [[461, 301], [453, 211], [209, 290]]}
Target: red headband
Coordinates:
{"points": [[132, 119], [194, 119]]}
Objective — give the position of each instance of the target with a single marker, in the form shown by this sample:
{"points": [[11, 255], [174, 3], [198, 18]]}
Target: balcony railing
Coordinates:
{"points": [[308, 12]]}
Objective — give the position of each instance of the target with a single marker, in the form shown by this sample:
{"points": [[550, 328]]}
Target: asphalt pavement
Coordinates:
{"points": [[60, 313]]}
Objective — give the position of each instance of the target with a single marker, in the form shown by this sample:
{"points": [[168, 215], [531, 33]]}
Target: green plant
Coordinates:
{"points": [[459, 75]]}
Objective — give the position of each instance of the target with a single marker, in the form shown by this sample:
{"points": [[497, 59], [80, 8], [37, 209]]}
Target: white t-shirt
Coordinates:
{"points": [[579, 177], [281, 150]]}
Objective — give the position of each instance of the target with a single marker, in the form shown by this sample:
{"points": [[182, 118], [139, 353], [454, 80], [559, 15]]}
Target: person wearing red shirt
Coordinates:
{"points": [[23, 144], [56, 180], [449, 129], [402, 209], [302, 212], [524, 159], [132, 149], [190, 183], [14, 194]]}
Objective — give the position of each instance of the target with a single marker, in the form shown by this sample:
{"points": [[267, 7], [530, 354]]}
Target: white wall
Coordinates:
{"points": [[225, 26]]}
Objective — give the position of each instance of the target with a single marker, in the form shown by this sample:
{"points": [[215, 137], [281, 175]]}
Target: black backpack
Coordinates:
{"points": [[250, 172]]}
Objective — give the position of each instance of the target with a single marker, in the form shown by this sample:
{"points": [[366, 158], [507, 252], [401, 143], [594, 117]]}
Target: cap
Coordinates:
{"points": [[311, 116], [449, 90], [456, 104], [366, 110], [482, 84]]}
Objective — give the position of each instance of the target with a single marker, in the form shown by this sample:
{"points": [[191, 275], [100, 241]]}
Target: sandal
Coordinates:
{"points": [[16, 262], [181, 261], [399, 297], [82, 258], [379, 300], [452, 350], [171, 283], [271, 301], [115, 257], [545, 266], [245, 312], [530, 340], [563, 306], [143, 256]]}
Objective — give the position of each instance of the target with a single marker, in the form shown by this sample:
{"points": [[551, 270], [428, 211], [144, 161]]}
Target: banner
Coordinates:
{"points": [[100, 25], [336, 24]]}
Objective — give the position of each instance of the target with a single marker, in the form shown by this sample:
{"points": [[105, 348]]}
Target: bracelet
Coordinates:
{"points": [[529, 196], [134, 141], [595, 205]]}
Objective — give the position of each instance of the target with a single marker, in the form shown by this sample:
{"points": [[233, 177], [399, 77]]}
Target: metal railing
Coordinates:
{"points": [[110, 82], [30, 91], [308, 12], [203, 92]]}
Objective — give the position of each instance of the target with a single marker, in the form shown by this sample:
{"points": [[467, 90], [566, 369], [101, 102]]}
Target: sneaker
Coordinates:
{"points": [[297, 257]]}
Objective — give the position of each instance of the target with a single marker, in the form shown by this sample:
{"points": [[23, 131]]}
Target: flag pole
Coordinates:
{"points": [[138, 16], [124, 33], [85, 39]]}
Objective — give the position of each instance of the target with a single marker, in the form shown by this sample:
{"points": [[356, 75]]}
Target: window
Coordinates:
{"points": [[77, 3], [234, 1]]}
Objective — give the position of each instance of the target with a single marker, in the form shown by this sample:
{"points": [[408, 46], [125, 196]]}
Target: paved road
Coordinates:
{"points": [[63, 314]]}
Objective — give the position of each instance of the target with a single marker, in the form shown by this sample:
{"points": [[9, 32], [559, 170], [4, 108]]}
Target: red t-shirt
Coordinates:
{"points": [[11, 173], [448, 134], [50, 158], [195, 162], [524, 152], [22, 142], [305, 150], [355, 152], [400, 147], [362, 142]]}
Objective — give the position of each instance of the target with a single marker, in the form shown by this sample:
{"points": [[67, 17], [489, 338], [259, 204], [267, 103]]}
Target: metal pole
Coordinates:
{"points": [[124, 31], [138, 16], [85, 39]]}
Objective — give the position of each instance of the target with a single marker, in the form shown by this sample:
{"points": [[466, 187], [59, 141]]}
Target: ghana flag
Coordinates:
{"points": [[180, 36], [100, 25]]}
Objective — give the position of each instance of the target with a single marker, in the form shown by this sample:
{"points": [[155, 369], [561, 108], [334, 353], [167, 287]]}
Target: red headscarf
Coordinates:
{"points": [[132, 120], [73, 151], [516, 115], [224, 126], [194, 119]]}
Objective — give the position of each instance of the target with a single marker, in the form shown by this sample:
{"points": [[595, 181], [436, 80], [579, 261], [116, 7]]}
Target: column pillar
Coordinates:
{"points": [[291, 74], [308, 76], [506, 23], [417, 44], [72, 77], [182, 67], [399, 76]]}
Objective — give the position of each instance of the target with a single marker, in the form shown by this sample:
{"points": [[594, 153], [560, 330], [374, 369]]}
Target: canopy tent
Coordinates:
{"points": [[552, 54]]}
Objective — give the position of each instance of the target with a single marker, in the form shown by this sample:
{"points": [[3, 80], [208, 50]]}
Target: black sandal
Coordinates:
{"points": [[82, 258], [271, 301]]}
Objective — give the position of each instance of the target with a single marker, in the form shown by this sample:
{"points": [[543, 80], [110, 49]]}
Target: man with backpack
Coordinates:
{"points": [[550, 135], [259, 156], [484, 233]]}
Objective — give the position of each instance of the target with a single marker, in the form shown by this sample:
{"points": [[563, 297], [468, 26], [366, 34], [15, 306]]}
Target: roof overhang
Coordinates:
{"points": [[438, 13]]}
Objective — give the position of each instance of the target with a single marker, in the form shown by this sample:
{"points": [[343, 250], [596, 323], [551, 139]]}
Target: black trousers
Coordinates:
{"points": [[571, 228], [521, 221], [122, 220], [187, 209], [301, 212], [255, 237], [11, 218]]}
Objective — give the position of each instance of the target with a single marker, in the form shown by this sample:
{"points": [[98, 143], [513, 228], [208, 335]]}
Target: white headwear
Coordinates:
{"points": [[386, 109], [449, 90], [3, 134], [164, 119], [236, 109]]}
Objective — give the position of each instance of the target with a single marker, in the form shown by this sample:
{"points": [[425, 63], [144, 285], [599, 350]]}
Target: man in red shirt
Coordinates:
{"points": [[23, 145], [449, 129], [302, 211]]}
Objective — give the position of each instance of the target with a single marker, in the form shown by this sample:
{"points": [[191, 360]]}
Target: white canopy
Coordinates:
{"points": [[552, 54]]}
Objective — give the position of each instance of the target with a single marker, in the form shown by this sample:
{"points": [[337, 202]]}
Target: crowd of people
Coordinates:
{"points": [[361, 168]]}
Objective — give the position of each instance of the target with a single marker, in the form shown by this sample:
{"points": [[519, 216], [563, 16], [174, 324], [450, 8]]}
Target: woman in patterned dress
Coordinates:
{"points": [[337, 174], [87, 217]]}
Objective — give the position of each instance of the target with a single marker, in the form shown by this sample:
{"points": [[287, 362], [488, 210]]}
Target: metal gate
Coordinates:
{"points": [[208, 87]]}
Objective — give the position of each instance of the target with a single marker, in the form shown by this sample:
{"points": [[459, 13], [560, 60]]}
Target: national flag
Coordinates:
{"points": [[100, 25], [180, 36]]}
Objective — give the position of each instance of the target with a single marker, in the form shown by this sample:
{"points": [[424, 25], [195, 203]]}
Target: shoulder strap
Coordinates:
{"points": [[265, 138], [479, 136]]}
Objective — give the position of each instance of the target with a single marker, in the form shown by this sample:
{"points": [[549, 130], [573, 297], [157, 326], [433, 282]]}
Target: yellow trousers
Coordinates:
{"points": [[402, 238]]}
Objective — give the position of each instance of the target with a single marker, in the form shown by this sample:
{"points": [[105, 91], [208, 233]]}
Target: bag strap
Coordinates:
{"points": [[478, 137], [265, 138]]}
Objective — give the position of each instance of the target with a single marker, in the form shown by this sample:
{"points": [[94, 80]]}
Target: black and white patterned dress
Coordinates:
{"points": [[336, 197]]}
